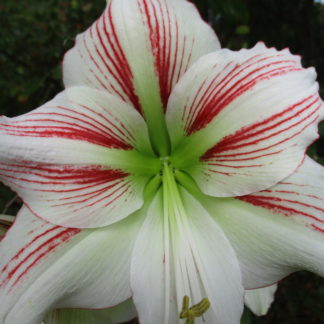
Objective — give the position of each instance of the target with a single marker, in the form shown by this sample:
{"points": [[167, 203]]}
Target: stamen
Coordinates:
{"points": [[194, 311]]}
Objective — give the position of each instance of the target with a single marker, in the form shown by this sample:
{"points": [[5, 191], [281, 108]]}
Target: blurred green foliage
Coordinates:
{"points": [[35, 34]]}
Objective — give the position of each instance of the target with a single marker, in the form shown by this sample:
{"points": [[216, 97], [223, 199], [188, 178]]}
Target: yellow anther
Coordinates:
{"points": [[194, 311]]}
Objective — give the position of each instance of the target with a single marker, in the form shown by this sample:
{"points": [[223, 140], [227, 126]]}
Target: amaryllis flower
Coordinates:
{"points": [[168, 170]]}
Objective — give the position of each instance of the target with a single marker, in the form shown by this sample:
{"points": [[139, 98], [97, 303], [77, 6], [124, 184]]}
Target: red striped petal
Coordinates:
{"points": [[300, 197], [83, 196], [38, 257], [247, 119], [138, 50], [67, 158], [80, 114]]}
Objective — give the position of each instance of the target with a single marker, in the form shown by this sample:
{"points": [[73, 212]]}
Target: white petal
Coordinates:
{"points": [[259, 300], [45, 267], [73, 160], [188, 255], [241, 121], [277, 231], [151, 281]]}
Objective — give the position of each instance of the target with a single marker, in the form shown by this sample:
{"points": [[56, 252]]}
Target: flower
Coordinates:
{"points": [[168, 170]]}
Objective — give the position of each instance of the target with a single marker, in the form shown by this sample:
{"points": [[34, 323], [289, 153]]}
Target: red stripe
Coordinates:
{"points": [[207, 95], [236, 166], [217, 157], [293, 193], [266, 202], [50, 245], [172, 79], [194, 110], [96, 137], [107, 59], [257, 141], [164, 41], [88, 81], [92, 124], [212, 88], [92, 177], [96, 194], [100, 127], [86, 62], [94, 61], [321, 230], [158, 51], [290, 201], [96, 184], [121, 127], [89, 178], [215, 98], [71, 131], [117, 76], [17, 255], [120, 57], [245, 132], [78, 175], [222, 146], [218, 103], [61, 237], [238, 88], [228, 142]]}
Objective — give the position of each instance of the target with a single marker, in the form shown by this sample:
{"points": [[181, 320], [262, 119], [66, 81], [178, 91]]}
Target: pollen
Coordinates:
{"points": [[194, 311]]}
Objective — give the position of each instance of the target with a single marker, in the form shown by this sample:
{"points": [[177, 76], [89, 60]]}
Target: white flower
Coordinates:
{"points": [[168, 170]]}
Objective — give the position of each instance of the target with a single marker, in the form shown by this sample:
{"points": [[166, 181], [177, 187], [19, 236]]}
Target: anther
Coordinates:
{"points": [[194, 311]]}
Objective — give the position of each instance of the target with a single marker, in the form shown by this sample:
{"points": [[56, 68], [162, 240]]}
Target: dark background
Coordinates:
{"points": [[34, 35]]}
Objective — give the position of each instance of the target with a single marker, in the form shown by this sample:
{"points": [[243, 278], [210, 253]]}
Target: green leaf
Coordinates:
{"points": [[246, 317]]}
